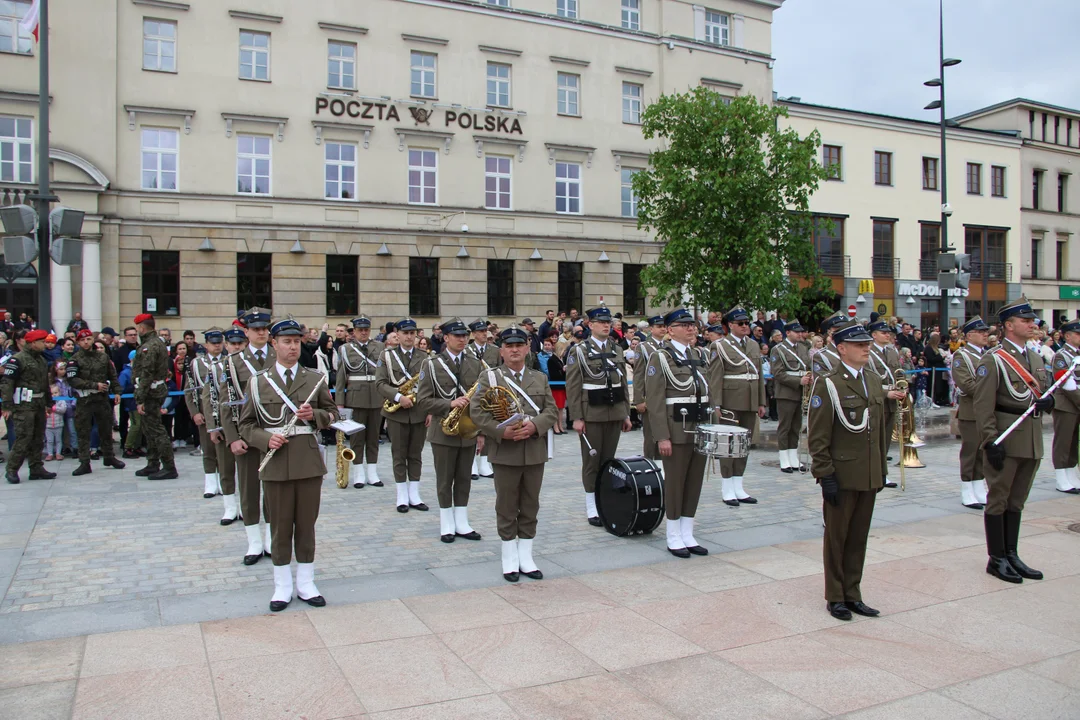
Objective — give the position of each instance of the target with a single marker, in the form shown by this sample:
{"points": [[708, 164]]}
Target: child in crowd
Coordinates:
{"points": [[54, 425], [920, 379]]}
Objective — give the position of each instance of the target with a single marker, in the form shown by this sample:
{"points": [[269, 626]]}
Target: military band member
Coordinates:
{"points": [[598, 401], [846, 434], [92, 377], [357, 361], [827, 359], [489, 357], [646, 348], [406, 425], [736, 384], [26, 396], [713, 333], [213, 399], [518, 452], [1067, 412], [884, 363], [790, 365], [965, 360], [1009, 380], [150, 369], [292, 480], [201, 372], [678, 398], [257, 357]]}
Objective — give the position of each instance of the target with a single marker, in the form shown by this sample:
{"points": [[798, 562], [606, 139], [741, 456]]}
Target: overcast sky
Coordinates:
{"points": [[874, 55]]}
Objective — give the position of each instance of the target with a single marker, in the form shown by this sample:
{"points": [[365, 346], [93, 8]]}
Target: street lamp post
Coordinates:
{"points": [[946, 211], [44, 196]]}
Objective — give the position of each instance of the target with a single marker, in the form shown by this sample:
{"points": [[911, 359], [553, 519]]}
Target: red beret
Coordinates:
{"points": [[239, 323], [83, 333], [35, 335], [143, 318]]}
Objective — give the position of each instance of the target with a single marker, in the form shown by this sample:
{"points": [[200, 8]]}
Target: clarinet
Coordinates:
{"points": [[234, 402], [215, 398]]}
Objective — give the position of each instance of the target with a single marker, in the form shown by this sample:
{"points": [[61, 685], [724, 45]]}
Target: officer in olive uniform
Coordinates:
{"points": [[884, 363], [827, 359], [406, 425], [789, 361], [150, 369], [678, 397], [443, 387], [518, 452], [488, 355], [598, 400], [846, 433], [1009, 380], [646, 348], [737, 385], [213, 399], [92, 377], [965, 360], [1067, 412], [357, 361], [213, 340], [25, 389]]}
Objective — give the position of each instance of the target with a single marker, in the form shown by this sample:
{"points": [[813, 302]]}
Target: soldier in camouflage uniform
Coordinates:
{"points": [[25, 388], [151, 370], [92, 376]]}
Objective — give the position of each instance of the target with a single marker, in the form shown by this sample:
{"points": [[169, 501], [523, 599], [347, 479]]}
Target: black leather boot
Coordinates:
{"points": [[168, 472], [83, 469], [149, 470], [1012, 537], [998, 566]]}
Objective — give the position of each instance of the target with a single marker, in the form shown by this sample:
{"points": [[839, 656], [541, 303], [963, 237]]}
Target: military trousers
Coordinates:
{"points": [[684, 473], [787, 432], [226, 464], [847, 527], [29, 437], [365, 443], [158, 445], [210, 462], [892, 428], [648, 445], [453, 473], [88, 410], [1066, 438], [1009, 486], [294, 505], [406, 444], [735, 467], [517, 499], [604, 437], [971, 455], [252, 497]]}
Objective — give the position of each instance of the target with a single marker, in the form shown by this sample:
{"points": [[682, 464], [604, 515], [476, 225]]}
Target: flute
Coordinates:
{"points": [[292, 422]]}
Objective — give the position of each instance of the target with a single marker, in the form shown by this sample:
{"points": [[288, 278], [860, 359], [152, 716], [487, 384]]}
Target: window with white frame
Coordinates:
{"points": [[16, 150], [566, 8], [631, 14], [253, 164], [629, 197], [498, 85], [499, 3], [159, 45], [717, 28], [160, 155], [568, 187], [497, 182], [631, 103], [423, 177], [254, 55], [422, 74], [569, 91], [340, 173], [341, 65], [14, 39]]}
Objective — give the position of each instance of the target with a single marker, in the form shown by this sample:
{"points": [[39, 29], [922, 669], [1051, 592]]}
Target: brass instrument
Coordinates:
{"points": [[458, 422], [803, 452], [501, 402], [345, 454], [904, 432], [407, 388]]}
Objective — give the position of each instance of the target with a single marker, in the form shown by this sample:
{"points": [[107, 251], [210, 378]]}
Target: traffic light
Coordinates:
{"points": [[20, 222]]}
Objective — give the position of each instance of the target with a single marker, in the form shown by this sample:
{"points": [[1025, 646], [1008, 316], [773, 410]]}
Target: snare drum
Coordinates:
{"points": [[722, 441], [630, 496]]}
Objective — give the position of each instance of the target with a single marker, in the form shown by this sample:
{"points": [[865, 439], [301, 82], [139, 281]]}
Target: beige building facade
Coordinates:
{"points": [[333, 157]]}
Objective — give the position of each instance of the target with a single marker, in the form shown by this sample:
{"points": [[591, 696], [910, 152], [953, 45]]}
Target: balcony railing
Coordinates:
{"points": [[928, 268], [884, 267], [15, 194], [994, 271], [839, 265]]}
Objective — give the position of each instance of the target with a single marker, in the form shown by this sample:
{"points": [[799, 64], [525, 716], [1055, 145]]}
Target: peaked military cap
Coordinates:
{"points": [[852, 332], [455, 326], [679, 315], [1019, 308], [975, 324], [406, 324], [478, 325], [257, 317], [361, 322], [214, 335], [735, 314], [288, 326], [513, 334], [600, 314]]}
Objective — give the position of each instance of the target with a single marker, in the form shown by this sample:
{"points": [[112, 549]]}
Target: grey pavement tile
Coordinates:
{"points": [[911, 512], [489, 574], [9, 560], [925, 706], [48, 701], [385, 586], [16, 504], [587, 561], [19, 522], [1029, 696], [23, 627], [761, 535]]}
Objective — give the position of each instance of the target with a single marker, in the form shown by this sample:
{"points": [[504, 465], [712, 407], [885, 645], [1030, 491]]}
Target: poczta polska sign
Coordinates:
{"points": [[367, 110]]}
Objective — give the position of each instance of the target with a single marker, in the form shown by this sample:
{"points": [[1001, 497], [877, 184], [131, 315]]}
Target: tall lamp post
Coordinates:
{"points": [[946, 211]]}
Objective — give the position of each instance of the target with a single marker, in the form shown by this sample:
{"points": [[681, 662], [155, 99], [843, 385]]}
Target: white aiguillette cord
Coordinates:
{"points": [[536, 408]]}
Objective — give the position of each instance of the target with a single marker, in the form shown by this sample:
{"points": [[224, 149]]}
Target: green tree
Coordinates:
{"points": [[729, 197]]}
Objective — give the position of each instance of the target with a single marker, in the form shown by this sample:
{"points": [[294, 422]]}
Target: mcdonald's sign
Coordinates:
{"points": [[866, 287]]}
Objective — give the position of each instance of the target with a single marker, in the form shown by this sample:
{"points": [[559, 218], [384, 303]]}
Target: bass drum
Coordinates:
{"points": [[630, 496]]}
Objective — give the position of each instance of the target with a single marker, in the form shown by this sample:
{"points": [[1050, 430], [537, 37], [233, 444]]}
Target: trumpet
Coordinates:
{"points": [[458, 422], [407, 389], [900, 382], [345, 454]]}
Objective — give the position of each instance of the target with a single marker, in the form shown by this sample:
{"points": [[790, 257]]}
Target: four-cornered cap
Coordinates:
{"points": [[81, 334], [35, 335], [143, 318], [832, 321], [735, 314], [852, 332], [235, 334], [478, 325], [213, 335], [513, 334], [288, 326], [257, 318], [976, 324], [657, 320], [1019, 308], [361, 322], [454, 326], [794, 326], [1071, 326], [681, 315], [108, 331], [880, 325], [406, 324], [600, 314]]}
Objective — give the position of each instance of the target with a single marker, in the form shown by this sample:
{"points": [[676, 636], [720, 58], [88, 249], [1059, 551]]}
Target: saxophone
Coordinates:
{"points": [[345, 454], [458, 423], [407, 388]]}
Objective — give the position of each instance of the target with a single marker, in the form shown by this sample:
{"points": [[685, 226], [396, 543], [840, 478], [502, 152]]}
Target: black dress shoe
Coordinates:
{"points": [[787, 470], [95, 455], [534, 575], [447, 538], [1022, 569], [1070, 491], [838, 610], [697, 550], [266, 553], [13, 478], [679, 552], [358, 485], [165, 474], [471, 535], [114, 462], [207, 496], [861, 608], [420, 506], [42, 474], [83, 469], [890, 484], [229, 521], [487, 476], [252, 559], [732, 503], [317, 601], [975, 506], [377, 484], [748, 500], [1000, 568], [803, 468], [596, 522], [279, 605], [403, 508], [475, 476], [510, 577], [149, 470]]}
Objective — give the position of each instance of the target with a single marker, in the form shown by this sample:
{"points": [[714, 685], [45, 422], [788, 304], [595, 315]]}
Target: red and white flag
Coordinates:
{"points": [[30, 22]]}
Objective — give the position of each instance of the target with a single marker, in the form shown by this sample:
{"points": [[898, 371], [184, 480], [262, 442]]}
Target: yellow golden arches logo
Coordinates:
{"points": [[866, 287]]}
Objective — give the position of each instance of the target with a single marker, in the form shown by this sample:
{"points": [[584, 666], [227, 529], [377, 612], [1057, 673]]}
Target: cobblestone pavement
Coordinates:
{"points": [[111, 551]]}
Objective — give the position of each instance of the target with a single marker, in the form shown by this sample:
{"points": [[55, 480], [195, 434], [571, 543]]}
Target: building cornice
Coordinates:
{"points": [[133, 110], [229, 118], [559, 60], [21, 97], [444, 138], [585, 150], [321, 125], [633, 71], [408, 37], [338, 27], [163, 4], [498, 50], [1014, 103], [258, 17], [516, 143]]}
